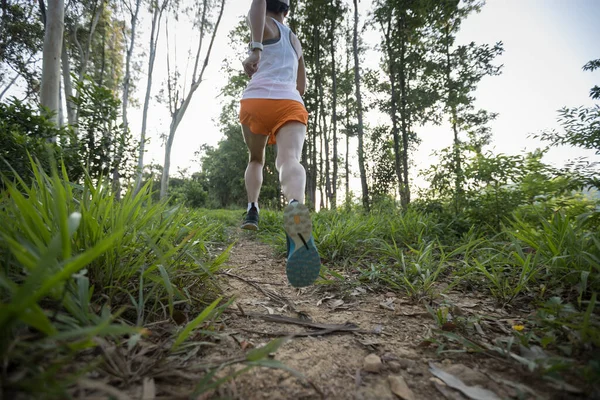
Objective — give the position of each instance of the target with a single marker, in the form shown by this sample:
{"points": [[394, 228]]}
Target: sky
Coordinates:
{"points": [[546, 44]]}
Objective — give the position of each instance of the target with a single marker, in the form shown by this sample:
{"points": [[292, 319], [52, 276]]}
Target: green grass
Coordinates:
{"points": [[549, 261], [77, 264]]}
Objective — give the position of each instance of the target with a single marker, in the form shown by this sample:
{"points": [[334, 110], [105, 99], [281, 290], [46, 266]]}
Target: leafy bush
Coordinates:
{"points": [[26, 132], [76, 265]]}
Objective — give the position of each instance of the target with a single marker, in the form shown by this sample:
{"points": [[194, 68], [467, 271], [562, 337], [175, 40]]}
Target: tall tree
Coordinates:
{"points": [[157, 8], [178, 104], [21, 38], [134, 10], [460, 69], [407, 96], [53, 38], [359, 113]]}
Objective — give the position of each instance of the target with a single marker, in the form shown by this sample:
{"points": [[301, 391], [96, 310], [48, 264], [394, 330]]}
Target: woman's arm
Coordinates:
{"points": [[256, 19]]}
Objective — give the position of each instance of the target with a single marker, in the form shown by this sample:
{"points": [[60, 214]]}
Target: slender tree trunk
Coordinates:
{"points": [[179, 112], [393, 104], [154, 35], [85, 53], [334, 177], [454, 116], [61, 116], [321, 140], [404, 187], [314, 170], [324, 151], [68, 85], [348, 129], [12, 82], [53, 38], [103, 62], [125, 101], [359, 112]]}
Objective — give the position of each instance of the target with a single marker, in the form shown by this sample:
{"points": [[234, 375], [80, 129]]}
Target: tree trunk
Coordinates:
{"points": [[394, 104], [125, 101], [53, 38], [66, 71], [454, 115], [85, 53], [359, 112], [334, 177], [404, 187], [324, 151], [154, 35], [179, 112], [321, 140]]}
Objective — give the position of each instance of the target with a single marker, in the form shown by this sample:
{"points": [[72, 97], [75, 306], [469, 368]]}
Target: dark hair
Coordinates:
{"points": [[277, 6]]}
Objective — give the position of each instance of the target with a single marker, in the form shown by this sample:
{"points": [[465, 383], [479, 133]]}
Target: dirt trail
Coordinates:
{"points": [[334, 363]]}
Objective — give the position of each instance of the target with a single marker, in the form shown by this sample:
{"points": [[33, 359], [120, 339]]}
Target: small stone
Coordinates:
{"points": [[446, 362], [400, 388], [394, 366], [406, 363], [372, 363], [414, 371]]}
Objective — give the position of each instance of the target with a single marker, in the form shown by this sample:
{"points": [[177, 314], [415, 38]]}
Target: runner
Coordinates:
{"points": [[272, 111]]}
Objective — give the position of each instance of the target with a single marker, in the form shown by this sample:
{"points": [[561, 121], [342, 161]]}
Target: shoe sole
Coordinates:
{"points": [[303, 264], [250, 226]]}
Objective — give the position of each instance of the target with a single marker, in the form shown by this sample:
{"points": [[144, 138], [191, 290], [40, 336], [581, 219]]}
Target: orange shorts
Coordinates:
{"points": [[266, 116]]}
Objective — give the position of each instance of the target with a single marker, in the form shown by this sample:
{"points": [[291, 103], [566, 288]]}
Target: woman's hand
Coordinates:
{"points": [[251, 63]]}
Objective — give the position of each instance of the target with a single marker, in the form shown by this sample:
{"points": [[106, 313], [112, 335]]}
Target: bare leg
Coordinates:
{"points": [[290, 139], [256, 160]]}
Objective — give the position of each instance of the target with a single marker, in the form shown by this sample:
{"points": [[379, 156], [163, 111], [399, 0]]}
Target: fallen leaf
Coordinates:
{"points": [[562, 385], [369, 342], [449, 326], [335, 303], [358, 378], [358, 291], [468, 304], [472, 392], [519, 386], [103, 387], [148, 389], [400, 388], [448, 393], [179, 317], [244, 344], [413, 313], [388, 304], [323, 299], [478, 329], [269, 310], [533, 353]]}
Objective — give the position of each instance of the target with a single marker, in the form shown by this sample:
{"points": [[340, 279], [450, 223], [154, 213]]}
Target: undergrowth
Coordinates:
{"points": [[543, 258], [86, 279]]}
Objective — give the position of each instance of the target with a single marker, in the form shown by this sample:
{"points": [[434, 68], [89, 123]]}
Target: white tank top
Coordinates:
{"points": [[277, 71]]}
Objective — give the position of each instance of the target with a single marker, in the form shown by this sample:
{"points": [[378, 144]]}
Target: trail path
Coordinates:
{"points": [[336, 364]]}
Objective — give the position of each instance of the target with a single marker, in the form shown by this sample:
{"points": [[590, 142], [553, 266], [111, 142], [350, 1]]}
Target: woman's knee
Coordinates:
{"points": [[257, 158]]}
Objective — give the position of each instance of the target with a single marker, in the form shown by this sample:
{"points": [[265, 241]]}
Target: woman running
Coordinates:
{"points": [[272, 111]]}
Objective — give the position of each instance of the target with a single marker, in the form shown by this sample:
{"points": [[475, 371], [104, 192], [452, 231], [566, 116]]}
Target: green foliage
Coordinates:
{"points": [[104, 146], [27, 132], [21, 38], [223, 169], [77, 265]]}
